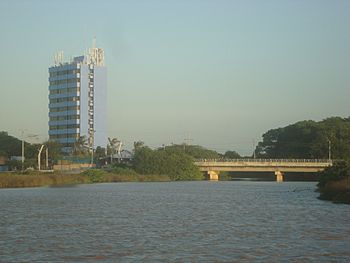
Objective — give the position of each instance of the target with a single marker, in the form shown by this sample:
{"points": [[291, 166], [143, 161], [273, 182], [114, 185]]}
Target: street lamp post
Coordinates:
{"points": [[254, 147], [92, 139], [22, 152], [329, 150], [47, 158], [39, 156], [92, 155], [27, 136]]}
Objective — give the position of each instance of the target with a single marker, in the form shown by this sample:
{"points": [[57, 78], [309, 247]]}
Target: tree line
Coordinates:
{"points": [[308, 139], [176, 161], [304, 139]]}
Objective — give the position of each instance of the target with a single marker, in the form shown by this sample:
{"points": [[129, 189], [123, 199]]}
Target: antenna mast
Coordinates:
{"points": [[94, 42]]}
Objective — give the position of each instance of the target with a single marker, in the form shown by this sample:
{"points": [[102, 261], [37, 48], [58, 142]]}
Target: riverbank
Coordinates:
{"points": [[36, 179], [334, 183], [336, 191]]}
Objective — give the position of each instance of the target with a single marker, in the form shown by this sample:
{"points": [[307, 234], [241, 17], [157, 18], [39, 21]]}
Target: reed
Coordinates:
{"points": [[15, 180], [35, 179], [336, 191]]}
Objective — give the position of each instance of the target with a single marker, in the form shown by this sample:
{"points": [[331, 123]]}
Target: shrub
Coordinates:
{"points": [[124, 171], [171, 162], [340, 170], [96, 176], [334, 183]]}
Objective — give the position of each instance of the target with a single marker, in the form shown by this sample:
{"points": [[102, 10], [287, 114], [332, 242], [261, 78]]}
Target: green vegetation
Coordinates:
{"points": [[35, 179], [231, 155], [305, 139], [308, 139], [11, 146], [121, 175], [334, 183], [195, 151], [173, 161]]}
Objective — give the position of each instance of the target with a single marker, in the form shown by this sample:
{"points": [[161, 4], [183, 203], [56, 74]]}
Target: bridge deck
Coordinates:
{"points": [[264, 165]]}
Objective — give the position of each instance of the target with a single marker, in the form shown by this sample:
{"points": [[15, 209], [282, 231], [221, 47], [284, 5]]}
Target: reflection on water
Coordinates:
{"points": [[173, 222]]}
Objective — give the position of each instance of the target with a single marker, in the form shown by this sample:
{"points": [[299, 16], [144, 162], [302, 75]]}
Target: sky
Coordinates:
{"points": [[212, 73]]}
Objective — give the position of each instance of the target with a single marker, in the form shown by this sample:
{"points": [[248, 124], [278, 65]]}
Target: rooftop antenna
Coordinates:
{"points": [[188, 140], [254, 148], [96, 55], [58, 58], [94, 42]]}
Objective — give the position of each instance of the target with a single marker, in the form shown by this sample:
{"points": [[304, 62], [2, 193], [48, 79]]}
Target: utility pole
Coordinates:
{"points": [[253, 141], [329, 150], [92, 154], [47, 158], [92, 138], [39, 156], [22, 132], [188, 139]]}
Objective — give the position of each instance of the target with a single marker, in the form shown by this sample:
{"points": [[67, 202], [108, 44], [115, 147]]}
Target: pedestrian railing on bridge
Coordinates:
{"points": [[267, 160], [214, 166]]}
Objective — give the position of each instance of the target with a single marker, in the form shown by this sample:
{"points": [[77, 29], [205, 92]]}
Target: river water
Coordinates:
{"points": [[234, 221]]}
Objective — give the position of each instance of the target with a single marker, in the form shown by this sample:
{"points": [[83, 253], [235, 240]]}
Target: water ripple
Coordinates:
{"points": [[173, 222]]}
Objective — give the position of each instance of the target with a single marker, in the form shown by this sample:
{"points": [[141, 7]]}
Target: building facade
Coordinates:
{"points": [[78, 100]]}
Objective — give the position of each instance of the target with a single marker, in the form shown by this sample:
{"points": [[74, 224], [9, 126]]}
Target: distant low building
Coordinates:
{"points": [[72, 167], [3, 164], [125, 157], [4, 168], [17, 158], [73, 164], [3, 160]]}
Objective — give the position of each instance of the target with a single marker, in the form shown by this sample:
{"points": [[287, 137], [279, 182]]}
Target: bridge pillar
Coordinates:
{"points": [[279, 176], [213, 175]]}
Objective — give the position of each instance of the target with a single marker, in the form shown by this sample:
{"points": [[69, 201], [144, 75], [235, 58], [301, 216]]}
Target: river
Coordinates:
{"points": [[234, 221]]}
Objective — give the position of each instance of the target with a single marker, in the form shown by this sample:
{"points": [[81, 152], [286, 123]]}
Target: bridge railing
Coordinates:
{"points": [[267, 160]]}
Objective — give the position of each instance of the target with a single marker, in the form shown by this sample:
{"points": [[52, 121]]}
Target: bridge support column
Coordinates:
{"points": [[279, 176], [213, 175]]}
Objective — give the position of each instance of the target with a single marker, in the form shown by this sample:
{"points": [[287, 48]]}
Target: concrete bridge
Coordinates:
{"points": [[278, 166]]}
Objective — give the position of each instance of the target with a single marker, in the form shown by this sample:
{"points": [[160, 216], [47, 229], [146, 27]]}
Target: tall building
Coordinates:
{"points": [[78, 100]]}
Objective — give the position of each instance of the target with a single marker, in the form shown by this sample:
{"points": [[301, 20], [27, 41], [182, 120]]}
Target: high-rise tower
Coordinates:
{"points": [[78, 100]]}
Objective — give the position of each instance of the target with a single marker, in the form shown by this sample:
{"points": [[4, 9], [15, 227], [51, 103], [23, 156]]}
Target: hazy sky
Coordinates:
{"points": [[219, 72]]}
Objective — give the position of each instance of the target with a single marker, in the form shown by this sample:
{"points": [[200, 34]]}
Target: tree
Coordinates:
{"points": [[100, 152], [138, 145], [80, 146], [172, 162], [54, 149], [232, 155], [143, 158], [10, 145], [338, 171], [334, 182], [195, 151], [307, 139], [3, 153]]}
